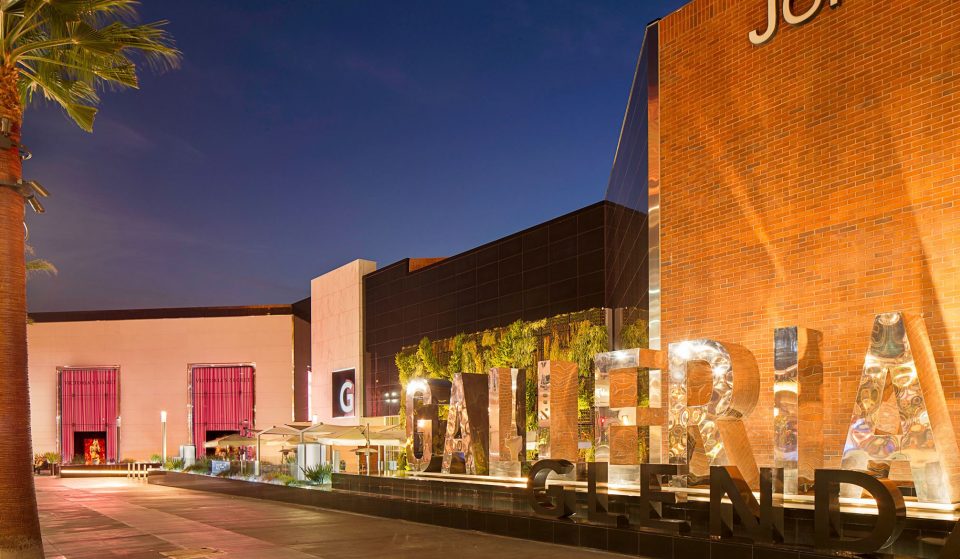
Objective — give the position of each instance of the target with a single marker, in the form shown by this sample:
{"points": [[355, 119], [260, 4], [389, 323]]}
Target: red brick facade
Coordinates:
{"points": [[811, 181]]}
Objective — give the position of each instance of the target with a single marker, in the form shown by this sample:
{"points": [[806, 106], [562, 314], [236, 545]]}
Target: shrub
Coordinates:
{"points": [[174, 464], [272, 476], [201, 466], [284, 479], [52, 457], [156, 459], [78, 459], [279, 478], [319, 474]]}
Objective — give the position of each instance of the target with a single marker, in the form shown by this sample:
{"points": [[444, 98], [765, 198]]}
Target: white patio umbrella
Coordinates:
{"points": [[361, 436], [230, 441]]}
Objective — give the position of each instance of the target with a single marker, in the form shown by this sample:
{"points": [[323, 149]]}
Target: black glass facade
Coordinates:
{"points": [[561, 266], [634, 186], [636, 162]]}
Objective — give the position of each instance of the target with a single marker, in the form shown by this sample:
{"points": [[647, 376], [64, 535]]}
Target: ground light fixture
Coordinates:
{"points": [[6, 140], [31, 191]]}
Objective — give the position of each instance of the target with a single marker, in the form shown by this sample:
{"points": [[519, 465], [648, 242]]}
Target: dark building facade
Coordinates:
{"points": [[592, 258]]}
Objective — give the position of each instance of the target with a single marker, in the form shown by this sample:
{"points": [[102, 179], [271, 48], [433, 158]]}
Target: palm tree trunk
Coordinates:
{"points": [[19, 521]]}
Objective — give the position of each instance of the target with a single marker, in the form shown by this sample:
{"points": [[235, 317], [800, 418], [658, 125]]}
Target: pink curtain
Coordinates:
{"points": [[89, 401], [222, 399]]}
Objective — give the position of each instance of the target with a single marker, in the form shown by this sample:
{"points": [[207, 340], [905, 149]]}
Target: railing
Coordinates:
{"points": [[139, 471], [131, 470]]}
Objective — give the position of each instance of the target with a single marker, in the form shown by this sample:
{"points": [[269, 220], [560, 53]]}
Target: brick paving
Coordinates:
{"points": [[105, 518]]}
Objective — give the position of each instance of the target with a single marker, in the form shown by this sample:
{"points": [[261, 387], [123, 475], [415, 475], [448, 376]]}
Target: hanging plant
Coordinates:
{"points": [[430, 362], [472, 357], [419, 363], [586, 341], [456, 363], [531, 395], [635, 334], [409, 366], [516, 346]]}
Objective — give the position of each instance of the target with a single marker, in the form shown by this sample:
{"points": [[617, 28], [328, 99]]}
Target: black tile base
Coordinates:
{"points": [[401, 503], [593, 536], [655, 546]]}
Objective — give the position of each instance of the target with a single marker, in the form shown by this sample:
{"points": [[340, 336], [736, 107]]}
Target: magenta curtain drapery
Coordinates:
{"points": [[222, 398], [89, 401]]}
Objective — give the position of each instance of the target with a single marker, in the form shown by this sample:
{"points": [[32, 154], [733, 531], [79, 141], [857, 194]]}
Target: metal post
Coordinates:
{"points": [[118, 443], [163, 435], [366, 451]]}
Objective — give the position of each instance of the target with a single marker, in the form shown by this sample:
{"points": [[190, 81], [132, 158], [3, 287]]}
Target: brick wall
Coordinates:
{"points": [[812, 181]]}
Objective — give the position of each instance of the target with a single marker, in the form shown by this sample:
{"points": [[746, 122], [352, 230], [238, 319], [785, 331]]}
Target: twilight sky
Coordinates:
{"points": [[301, 134]]}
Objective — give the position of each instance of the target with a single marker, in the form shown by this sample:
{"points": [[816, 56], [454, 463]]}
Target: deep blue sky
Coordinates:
{"points": [[302, 134]]}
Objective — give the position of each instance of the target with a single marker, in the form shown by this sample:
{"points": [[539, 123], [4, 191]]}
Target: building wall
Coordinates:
{"points": [[153, 355], [553, 268], [337, 334], [625, 266], [811, 181], [301, 366]]}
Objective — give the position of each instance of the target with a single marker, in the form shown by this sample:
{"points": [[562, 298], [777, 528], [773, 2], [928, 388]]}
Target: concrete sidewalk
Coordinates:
{"points": [[103, 518]]}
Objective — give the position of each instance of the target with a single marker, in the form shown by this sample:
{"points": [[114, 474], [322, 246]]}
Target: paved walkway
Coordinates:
{"points": [[105, 518]]}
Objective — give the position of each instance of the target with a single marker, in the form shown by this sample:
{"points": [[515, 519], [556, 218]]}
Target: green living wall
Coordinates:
{"points": [[573, 337]]}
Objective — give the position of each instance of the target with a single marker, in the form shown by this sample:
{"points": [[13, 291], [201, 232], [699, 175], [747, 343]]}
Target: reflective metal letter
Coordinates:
{"points": [[465, 446], [797, 401], [618, 416], [826, 517], [557, 413], [725, 389], [900, 355], [552, 501], [508, 420], [425, 454]]}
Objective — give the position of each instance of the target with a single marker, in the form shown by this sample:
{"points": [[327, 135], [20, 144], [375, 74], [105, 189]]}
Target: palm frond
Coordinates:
{"points": [[40, 266], [68, 50], [76, 98], [37, 265]]}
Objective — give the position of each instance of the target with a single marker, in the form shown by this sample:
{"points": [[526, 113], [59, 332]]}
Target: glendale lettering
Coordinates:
{"points": [[758, 38], [760, 522]]}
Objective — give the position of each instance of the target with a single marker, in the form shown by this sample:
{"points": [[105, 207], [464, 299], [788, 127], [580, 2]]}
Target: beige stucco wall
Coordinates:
{"points": [[336, 321], [153, 356]]}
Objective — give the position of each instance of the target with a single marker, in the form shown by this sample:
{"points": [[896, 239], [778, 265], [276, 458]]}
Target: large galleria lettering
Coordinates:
{"points": [[711, 388]]}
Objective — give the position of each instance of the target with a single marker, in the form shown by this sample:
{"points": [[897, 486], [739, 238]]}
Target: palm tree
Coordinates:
{"points": [[66, 52]]}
